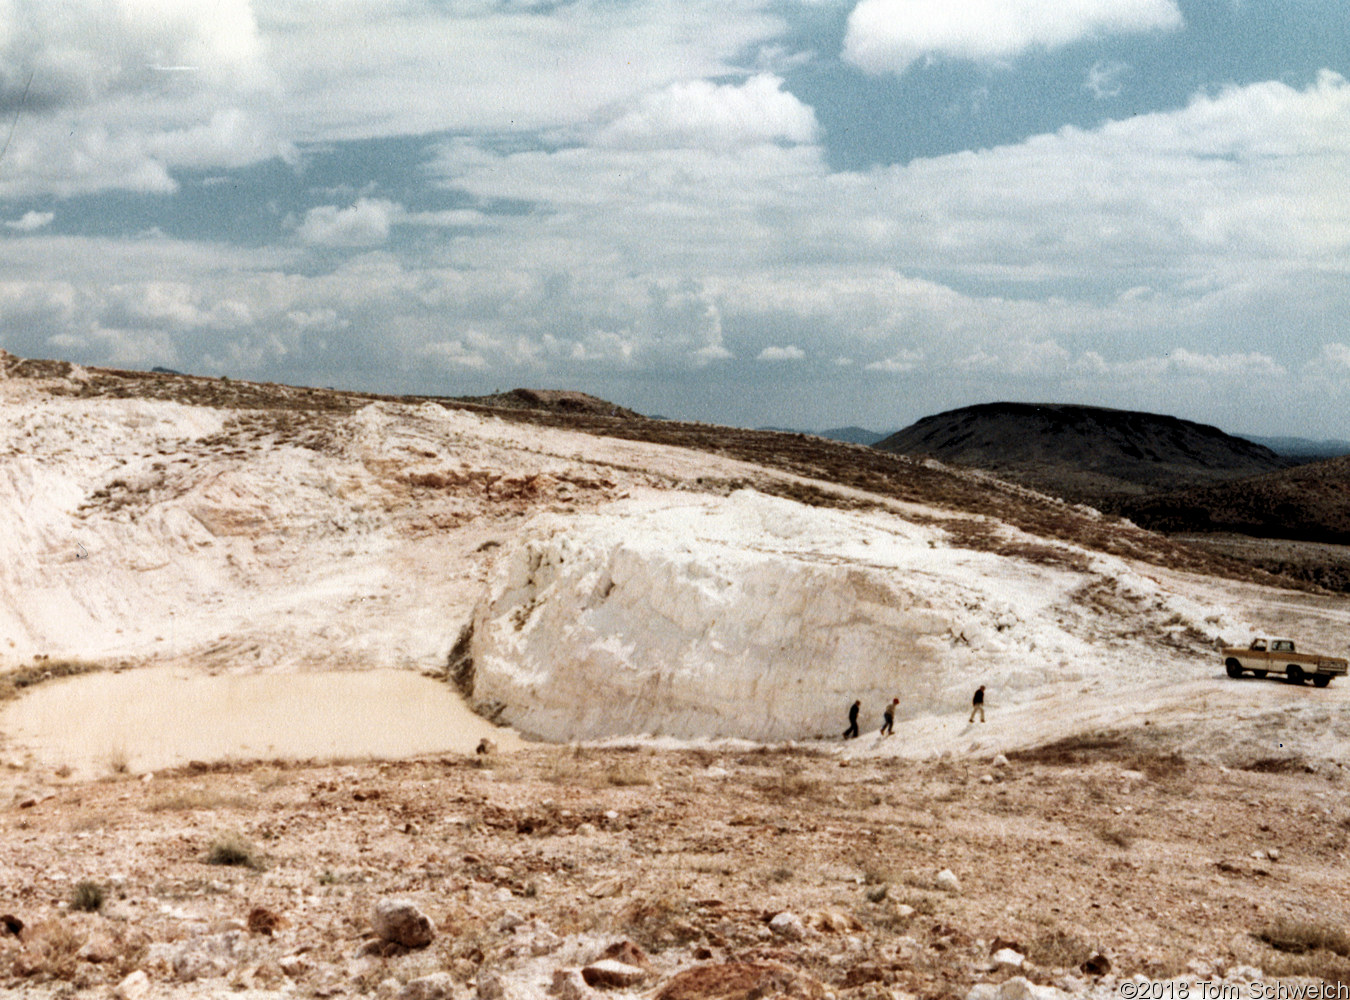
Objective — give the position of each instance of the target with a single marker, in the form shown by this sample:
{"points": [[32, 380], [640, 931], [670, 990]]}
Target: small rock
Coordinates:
{"points": [[1097, 965], [585, 829], [11, 924], [947, 881], [437, 986], [134, 987], [98, 948], [261, 920], [832, 922], [628, 952], [609, 973], [1007, 958], [485, 747], [401, 922], [568, 985], [986, 779], [294, 966], [1000, 761], [606, 887], [1021, 988], [788, 925], [1273, 853], [877, 893], [1130, 775], [490, 986]]}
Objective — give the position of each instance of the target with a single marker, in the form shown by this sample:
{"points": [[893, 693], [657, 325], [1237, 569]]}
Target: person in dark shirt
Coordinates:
{"points": [[852, 729], [977, 704], [888, 726]]}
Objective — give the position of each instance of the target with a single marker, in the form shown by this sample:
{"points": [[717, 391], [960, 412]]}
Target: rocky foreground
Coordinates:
{"points": [[726, 871]]}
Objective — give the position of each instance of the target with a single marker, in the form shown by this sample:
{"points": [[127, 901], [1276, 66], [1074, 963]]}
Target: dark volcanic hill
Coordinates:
{"points": [[1088, 454], [1310, 503]]}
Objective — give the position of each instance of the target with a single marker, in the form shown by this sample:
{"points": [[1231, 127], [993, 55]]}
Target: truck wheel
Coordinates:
{"points": [[1321, 680], [1258, 673], [1234, 668], [1295, 673]]}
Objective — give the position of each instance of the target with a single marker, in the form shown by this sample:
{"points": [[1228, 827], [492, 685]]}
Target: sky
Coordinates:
{"points": [[798, 213]]}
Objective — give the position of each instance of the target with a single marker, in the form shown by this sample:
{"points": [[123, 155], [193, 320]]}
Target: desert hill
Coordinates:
{"points": [[1086, 454]]}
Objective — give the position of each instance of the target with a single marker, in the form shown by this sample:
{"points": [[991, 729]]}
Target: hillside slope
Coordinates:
{"points": [[622, 576], [1083, 453]]}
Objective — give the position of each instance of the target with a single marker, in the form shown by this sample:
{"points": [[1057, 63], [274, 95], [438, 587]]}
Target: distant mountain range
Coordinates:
{"points": [[1303, 449]]}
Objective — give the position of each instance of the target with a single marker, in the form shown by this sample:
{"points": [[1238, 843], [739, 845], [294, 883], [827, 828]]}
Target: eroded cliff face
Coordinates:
{"points": [[755, 617]]}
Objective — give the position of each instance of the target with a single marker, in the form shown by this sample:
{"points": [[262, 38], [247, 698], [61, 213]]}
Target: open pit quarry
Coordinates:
{"points": [[210, 586]]}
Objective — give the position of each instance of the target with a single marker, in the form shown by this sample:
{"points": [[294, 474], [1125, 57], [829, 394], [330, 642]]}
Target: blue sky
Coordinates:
{"points": [[793, 213]]}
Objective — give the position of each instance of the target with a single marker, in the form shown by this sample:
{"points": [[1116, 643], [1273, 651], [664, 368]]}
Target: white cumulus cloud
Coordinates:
{"points": [[702, 113], [789, 353], [31, 221], [886, 36], [364, 224]]}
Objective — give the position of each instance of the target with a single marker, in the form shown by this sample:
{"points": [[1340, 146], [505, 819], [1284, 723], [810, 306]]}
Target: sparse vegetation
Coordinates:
{"points": [[88, 896], [1298, 937], [1058, 948], [14, 682], [234, 849]]}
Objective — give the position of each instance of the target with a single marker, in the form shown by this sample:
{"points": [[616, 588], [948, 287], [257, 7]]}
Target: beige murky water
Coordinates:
{"points": [[161, 717]]}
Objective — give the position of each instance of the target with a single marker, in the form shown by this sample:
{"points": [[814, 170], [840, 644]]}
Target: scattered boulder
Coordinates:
{"points": [[947, 881], [788, 926], [609, 973], [204, 957], [10, 924], [1000, 761], [485, 747], [1008, 959], [437, 986], [400, 922], [136, 986]]}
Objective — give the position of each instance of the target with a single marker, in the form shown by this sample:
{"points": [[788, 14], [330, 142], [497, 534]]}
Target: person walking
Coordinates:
{"points": [[977, 704], [852, 729], [888, 726]]}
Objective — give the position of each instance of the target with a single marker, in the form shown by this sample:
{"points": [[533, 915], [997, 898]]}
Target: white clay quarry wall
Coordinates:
{"points": [[760, 618]]}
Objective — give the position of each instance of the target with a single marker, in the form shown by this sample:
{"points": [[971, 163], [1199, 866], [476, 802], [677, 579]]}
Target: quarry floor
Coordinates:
{"points": [[1094, 845]]}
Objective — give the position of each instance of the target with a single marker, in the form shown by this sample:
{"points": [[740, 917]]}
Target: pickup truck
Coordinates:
{"points": [[1278, 656]]}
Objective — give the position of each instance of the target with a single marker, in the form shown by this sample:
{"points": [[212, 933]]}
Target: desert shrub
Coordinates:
{"points": [[88, 897], [15, 681], [234, 849], [1299, 937], [1056, 948]]}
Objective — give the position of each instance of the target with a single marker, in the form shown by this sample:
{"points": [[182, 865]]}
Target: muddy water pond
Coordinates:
{"points": [[157, 717]]}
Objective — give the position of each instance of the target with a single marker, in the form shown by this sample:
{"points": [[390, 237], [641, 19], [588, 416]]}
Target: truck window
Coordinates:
{"points": [[1283, 647], [1259, 646]]}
